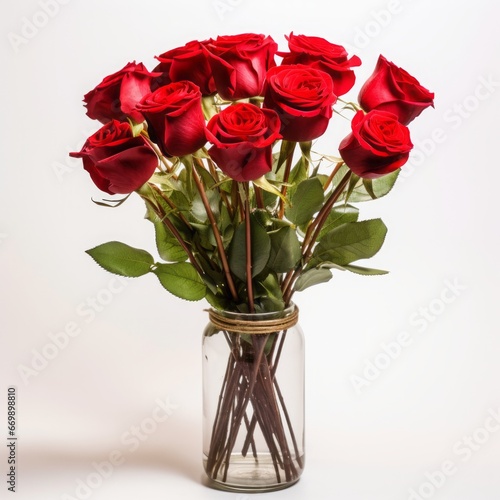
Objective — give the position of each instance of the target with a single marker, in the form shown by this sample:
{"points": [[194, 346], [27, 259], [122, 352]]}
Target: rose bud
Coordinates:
{"points": [[319, 53], [117, 162], [242, 136], [239, 64], [189, 62], [392, 89], [377, 145], [175, 118], [303, 98], [116, 97]]}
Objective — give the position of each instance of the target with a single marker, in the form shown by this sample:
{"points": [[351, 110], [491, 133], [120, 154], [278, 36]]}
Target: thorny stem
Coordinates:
{"points": [[259, 199], [215, 175], [251, 378], [218, 239], [312, 236], [171, 205], [248, 243], [286, 176], [178, 237], [338, 166], [158, 152]]}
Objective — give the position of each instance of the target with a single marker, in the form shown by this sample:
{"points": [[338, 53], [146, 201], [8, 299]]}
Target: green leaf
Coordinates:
{"points": [[121, 259], [305, 147], [180, 201], [260, 248], [181, 280], [338, 216], [305, 201], [206, 177], [198, 210], [297, 175], [169, 249], [364, 271], [263, 217], [353, 182], [287, 149], [285, 250], [264, 184], [311, 278], [369, 189], [217, 301], [350, 242], [268, 293], [225, 225]]}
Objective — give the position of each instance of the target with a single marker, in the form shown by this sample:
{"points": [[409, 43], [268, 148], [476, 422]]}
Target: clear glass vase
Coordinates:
{"points": [[253, 400]]}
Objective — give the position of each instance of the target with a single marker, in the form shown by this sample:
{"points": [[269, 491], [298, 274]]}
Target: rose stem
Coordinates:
{"points": [[259, 200], [285, 411], [274, 419], [270, 378], [170, 204], [259, 345], [157, 150], [323, 215], [223, 195], [273, 371], [252, 441], [286, 175], [230, 363], [267, 421], [332, 175], [264, 418], [248, 242], [251, 428], [178, 237], [312, 235], [217, 235], [289, 423], [223, 415], [234, 197]]}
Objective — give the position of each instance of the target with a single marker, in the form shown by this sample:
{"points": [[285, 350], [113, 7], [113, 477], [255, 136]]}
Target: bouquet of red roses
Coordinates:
{"points": [[218, 141]]}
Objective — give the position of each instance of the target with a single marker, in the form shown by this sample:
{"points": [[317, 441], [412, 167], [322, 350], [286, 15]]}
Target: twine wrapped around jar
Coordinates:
{"points": [[254, 327]]}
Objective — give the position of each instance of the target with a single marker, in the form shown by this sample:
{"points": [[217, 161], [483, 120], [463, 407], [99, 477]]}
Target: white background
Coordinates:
{"points": [[376, 443]]}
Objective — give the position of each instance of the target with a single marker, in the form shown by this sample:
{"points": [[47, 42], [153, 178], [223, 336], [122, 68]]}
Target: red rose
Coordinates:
{"points": [[321, 54], [117, 162], [239, 64], [187, 63], [392, 89], [175, 118], [242, 136], [116, 97], [303, 98], [377, 145]]}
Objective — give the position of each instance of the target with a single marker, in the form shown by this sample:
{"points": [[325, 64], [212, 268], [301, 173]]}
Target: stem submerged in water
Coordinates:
{"points": [[250, 404]]}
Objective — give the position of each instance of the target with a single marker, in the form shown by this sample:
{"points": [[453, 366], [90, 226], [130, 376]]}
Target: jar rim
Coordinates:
{"points": [[256, 316]]}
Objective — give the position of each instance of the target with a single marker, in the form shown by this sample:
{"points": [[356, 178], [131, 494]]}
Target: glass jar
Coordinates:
{"points": [[253, 400]]}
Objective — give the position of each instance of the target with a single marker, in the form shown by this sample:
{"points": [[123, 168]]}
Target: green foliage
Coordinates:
{"points": [[338, 216], [122, 259], [305, 202], [181, 280], [285, 250], [350, 242], [302, 230], [370, 189], [260, 249], [169, 249], [312, 277]]}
